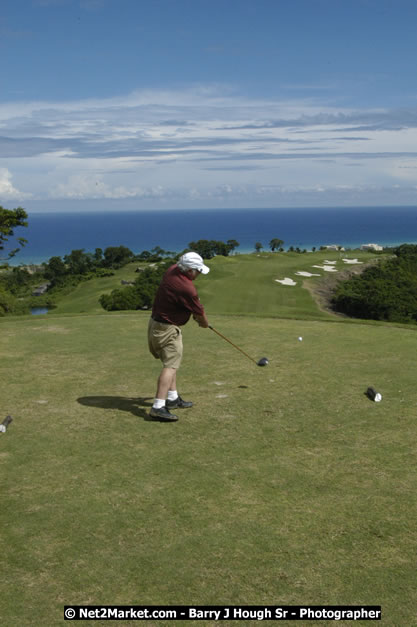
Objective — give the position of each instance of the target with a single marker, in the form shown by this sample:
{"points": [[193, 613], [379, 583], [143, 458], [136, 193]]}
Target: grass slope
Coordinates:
{"points": [[85, 297], [240, 284], [282, 485], [246, 284]]}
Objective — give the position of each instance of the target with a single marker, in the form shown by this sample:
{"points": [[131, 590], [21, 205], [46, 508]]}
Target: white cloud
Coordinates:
{"points": [[7, 189], [84, 187], [199, 143]]}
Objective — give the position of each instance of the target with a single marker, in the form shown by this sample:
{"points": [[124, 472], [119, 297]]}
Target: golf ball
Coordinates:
{"points": [[300, 339]]}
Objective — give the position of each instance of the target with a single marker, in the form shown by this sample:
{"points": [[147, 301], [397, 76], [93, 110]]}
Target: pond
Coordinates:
{"points": [[37, 311]]}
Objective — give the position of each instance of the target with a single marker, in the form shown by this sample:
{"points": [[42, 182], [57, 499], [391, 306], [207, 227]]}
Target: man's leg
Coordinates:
{"points": [[167, 381], [172, 392], [167, 345], [175, 401], [173, 386]]}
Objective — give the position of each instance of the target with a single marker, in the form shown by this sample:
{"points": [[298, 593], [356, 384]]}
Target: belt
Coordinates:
{"points": [[160, 320]]}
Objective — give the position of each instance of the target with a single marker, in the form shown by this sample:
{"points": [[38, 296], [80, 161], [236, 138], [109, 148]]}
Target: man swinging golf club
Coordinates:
{"points": [[175, 301]]}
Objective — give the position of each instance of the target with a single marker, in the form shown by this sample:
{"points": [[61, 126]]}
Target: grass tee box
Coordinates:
{"points": [[282, 485]]}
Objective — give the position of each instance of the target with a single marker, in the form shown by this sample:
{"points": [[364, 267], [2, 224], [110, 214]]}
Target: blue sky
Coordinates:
{"points": [[150, 104]]}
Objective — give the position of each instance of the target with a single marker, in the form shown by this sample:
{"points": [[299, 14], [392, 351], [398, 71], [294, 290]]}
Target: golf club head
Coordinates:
{"points": [[262, 362]]}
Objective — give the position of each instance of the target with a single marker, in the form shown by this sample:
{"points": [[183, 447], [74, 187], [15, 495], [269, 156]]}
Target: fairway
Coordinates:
{"points": [[239, 285], [247, 284], [282, 485]]}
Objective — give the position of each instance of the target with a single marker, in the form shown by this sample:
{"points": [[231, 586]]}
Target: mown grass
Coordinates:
{"points": [[282, 485], [240, 284], [85, 297], [246, 284]]}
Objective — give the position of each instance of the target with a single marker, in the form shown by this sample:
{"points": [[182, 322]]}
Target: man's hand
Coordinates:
{"points": [[201, 320]]}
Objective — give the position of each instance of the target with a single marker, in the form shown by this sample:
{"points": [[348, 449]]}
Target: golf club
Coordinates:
{"points": [[261, 362]]}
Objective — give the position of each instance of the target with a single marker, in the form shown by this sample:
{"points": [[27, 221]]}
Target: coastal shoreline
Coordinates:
{"points": [[21, 260], [58, 234]]}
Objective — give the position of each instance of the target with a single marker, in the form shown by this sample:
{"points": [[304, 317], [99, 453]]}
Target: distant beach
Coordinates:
{"points": [[57, 234]]}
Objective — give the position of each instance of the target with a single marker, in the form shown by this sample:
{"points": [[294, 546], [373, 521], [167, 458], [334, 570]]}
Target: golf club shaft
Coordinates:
{"points": [[237, 347]]}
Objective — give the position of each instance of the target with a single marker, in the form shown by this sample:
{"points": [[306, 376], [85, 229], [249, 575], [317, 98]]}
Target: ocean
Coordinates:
{"points": [[57, 234]]}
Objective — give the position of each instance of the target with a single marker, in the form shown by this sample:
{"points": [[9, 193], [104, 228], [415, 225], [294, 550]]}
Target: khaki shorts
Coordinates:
{"points": [[165, 343]]}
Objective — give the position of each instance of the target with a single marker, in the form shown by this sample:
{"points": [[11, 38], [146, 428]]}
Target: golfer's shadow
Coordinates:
{"points": [[122, 403]]}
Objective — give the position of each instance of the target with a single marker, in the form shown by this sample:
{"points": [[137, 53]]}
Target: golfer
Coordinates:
{"points": [[175, 301]]}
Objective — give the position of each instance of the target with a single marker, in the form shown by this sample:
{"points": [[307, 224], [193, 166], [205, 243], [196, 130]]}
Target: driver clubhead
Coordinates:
{"points": [[262, 362]]}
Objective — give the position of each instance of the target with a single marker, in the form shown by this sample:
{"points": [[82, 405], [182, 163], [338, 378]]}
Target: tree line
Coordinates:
{"points": [[384, 291], [10, 219]]}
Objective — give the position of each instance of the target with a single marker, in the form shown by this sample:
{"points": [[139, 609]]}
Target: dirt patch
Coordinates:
{"points": [[322, 291]]}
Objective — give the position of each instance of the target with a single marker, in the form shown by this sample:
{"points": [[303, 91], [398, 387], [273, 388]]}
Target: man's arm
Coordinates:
{"points": [[202, 320]]}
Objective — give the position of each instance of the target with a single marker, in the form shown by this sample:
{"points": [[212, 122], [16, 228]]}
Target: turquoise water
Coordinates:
{"points": [[38, 311]]}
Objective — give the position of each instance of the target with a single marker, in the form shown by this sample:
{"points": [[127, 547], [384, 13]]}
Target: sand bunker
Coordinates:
{"points": [[286, 281], [326, 268], [301, 273]]}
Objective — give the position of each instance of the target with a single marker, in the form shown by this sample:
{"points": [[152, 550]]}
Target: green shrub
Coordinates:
{"points": [[137, 296], [10, 305], [387, 291], [124, 298]]}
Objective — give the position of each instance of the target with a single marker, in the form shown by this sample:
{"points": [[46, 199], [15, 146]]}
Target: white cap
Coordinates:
{"points": [[193, 261]]}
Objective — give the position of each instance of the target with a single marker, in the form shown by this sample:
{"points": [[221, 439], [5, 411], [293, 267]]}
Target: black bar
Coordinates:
{"points": [[223, 612]]}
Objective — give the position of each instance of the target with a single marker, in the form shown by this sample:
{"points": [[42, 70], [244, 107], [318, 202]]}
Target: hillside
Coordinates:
{"points": [[243, 284]]}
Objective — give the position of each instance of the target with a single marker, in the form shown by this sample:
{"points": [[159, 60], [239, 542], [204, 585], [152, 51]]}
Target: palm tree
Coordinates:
{"points": [[275, 243]]}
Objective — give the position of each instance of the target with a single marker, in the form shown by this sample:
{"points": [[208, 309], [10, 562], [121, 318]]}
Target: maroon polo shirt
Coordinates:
{"points": [[176, 299]]}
